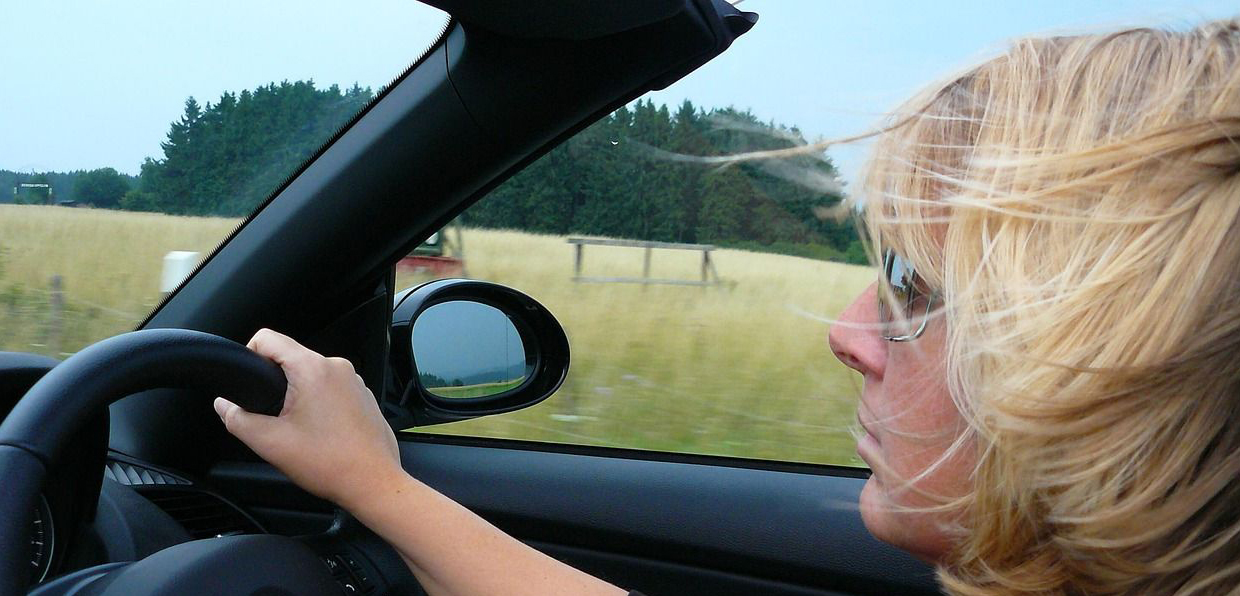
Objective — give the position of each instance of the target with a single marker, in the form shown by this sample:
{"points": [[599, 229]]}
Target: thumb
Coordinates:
{"points": [[242, 424]]}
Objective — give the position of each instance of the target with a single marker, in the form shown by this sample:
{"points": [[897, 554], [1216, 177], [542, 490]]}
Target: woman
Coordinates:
{"points": [[1051, 360]]}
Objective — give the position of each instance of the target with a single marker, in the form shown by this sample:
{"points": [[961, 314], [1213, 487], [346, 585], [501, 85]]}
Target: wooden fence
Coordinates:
{"points": [[710, 276]]}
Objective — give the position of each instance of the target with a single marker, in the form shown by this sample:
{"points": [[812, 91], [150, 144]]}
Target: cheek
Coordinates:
{"points": [[916, 424], [918, 413], [917, 420]]}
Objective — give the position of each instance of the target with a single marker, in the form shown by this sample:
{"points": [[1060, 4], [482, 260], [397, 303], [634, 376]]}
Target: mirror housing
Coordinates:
{"points": [[410, 402]]}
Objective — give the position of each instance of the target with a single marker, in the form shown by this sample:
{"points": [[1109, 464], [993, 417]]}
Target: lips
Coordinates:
{"points": [[869, 450], [868, 447], [866, 425]]}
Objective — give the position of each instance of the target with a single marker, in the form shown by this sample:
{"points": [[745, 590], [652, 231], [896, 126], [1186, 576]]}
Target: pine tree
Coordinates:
{"points": [[225, 158], [612, 179]]}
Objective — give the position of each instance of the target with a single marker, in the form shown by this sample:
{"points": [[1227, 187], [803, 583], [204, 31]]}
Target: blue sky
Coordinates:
{"points": [[459, 339], [89, 84], [834, 68]]}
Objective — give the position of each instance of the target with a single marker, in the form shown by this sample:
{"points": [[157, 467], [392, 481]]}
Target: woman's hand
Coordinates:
{"points": [[331, 440], [330, 437]]}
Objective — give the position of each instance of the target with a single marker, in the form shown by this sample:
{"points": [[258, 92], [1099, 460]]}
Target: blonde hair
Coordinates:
{"points": [[1076, 202]]}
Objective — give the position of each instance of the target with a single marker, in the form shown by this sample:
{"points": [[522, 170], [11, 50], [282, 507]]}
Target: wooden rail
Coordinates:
{"points": [[710, 276]]}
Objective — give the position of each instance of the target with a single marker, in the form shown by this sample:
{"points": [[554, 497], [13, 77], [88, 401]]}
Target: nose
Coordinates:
{"points": [[855, 338]]}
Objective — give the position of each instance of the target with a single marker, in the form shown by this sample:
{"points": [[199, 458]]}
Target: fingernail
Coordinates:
{"points": [[221, 406]]}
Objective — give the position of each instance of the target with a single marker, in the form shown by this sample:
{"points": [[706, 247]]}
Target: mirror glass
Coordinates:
{"points": [[466, 349]]}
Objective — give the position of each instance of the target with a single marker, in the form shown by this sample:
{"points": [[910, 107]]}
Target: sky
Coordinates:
{"points": [[89, 84], [461, 339]]}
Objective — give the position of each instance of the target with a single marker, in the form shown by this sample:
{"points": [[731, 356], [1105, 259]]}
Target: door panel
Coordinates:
{"points": [[663, 527], [674, 527]]}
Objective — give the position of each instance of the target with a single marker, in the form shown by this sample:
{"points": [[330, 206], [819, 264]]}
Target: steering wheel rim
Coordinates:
{"points": [[60, 403]]}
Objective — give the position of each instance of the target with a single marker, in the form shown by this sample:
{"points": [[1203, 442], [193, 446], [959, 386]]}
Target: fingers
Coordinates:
{"points": [[242, 424], [277, 347]]}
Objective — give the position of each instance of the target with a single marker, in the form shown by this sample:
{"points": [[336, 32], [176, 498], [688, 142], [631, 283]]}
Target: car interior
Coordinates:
{"points": [[119, 478]]}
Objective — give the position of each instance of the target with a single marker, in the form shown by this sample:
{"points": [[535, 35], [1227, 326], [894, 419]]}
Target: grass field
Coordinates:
{"points": [[478, 390], [109, 263], [735, 370]]}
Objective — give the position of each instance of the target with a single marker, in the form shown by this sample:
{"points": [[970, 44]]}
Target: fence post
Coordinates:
{"points": [[709, 275], [178, 265], [55, 321]]}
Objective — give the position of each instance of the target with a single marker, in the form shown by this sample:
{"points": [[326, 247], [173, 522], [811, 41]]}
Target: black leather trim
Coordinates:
{"points": [[18, 372], [129, 363], [794, 529]]}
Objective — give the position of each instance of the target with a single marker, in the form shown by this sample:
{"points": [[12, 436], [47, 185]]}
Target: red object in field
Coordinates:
{"points": [[438, 266]]}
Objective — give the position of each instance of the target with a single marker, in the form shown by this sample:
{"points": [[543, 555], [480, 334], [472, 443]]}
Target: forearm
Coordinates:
{"points": [[427, 582], [456, 553]]}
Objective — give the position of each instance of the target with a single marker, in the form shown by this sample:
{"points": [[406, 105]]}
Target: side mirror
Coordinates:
{"points": [[462, 349], [465, 350]]}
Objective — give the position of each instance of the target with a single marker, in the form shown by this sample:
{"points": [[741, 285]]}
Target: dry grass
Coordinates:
{"points": [[109, 263], [729, 370]]}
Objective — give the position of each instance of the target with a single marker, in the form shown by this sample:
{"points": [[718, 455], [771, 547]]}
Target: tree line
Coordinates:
{"points": [[220, 158], [643, 172], [103, 187], [225, 158]]}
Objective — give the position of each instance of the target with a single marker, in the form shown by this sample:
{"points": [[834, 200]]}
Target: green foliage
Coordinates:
{"points": [[136, 200], [856, 253], [226, 158], [631, 175], [64, 185], [724, 204], [431, 380], [101, 188], [35, 196], [809, 251]]}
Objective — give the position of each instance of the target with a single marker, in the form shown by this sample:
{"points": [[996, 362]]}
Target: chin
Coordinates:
{"points": [[875, 512], [911, 531]]}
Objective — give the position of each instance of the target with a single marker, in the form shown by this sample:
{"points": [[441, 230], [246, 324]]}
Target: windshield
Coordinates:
{"points": [[139, 134]]}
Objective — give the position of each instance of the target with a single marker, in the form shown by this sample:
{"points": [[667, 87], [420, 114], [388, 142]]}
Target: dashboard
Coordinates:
{"points": [[42, 541]]}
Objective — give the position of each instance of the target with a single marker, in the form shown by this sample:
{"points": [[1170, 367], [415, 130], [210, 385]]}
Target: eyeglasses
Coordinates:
{"points": [[904, 305]]}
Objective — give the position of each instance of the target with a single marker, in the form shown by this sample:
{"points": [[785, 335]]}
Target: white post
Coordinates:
{"points": [[178, 264]]}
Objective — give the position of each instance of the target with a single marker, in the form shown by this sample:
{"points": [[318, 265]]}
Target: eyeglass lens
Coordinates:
{"points": [[898, 314]]}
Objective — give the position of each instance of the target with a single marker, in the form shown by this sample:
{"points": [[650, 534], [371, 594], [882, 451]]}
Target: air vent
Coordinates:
{"points": [[135, 475], [202, 514]]}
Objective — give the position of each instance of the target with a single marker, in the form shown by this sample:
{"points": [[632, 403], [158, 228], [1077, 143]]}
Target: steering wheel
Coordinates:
{"points": [[32, 435]]}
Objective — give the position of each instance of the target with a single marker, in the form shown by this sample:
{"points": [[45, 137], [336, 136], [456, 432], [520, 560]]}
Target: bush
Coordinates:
{"points": [[820, 252], [136, 200]]}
